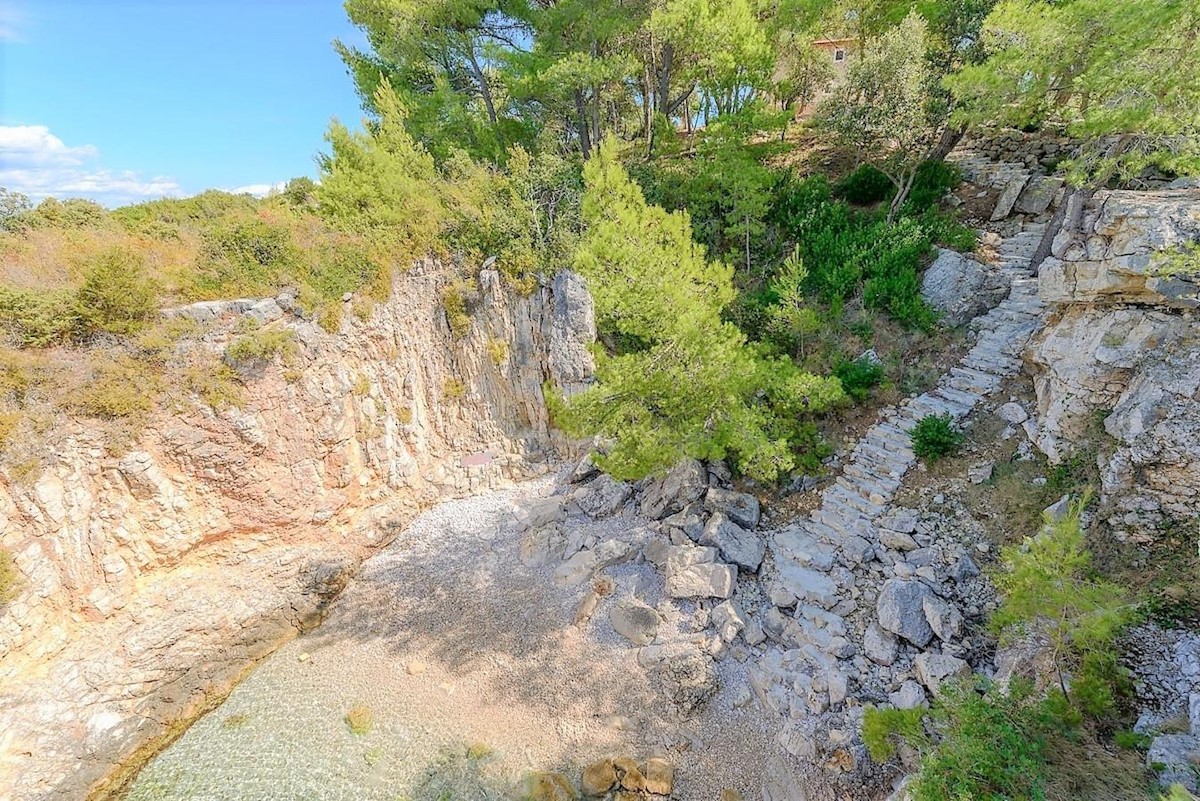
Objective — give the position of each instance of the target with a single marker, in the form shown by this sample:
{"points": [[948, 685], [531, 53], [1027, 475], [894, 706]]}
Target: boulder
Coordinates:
{"points": [[1013, 413], [944, 618], [634, 620], [693, 572], [897, 540], [901, 610], [583, 565], [684, 483], [660, 776], [903, 521], [879, 646], [1176, 757], [598, 778], [934, 670], [543, 546], [728, 620], [740, 507], [688, 521], [603, 496], [1008, 198], [1038, 194], [540, 786], [737, 545], [910, 696], [541, 512], [962, 288]]}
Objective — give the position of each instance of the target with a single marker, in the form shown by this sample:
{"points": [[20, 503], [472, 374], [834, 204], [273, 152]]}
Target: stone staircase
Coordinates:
{"points": [[978, 169], [842, 529], [831, 561]]}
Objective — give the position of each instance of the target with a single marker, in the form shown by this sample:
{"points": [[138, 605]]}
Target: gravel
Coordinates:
{"points": [[452, 643]]}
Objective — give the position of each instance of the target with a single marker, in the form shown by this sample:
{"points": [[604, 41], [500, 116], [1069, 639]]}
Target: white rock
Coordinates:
{"points": [[934, 670], [910, 696]]}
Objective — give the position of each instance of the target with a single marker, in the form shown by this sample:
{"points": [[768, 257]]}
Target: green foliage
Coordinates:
{"points": [[38, 319], [866, 185], [991, 746], [684, 382], [888, 107], [382, 182], [13, 205], [259, 347], [116, 387], [858, 376], [935, 436], [1122, 77], [932, 181], [117, 295], [881, 728], [1048, 584]]}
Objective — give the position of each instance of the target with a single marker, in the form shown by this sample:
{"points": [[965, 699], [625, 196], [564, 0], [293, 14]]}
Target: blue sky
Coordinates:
{"points": [[124, 100]]}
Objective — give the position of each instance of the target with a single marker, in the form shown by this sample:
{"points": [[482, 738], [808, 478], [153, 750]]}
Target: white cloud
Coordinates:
{"points": [[39, 164], [12, 19], [259, 190]]}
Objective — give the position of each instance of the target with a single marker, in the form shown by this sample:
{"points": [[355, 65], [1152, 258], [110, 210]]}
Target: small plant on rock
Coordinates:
{"points": [[359, 719], [10, 579], [935, 436]]}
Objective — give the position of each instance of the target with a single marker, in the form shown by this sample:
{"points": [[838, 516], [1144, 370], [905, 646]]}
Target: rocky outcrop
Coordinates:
{"points": [[153, 578], [1117, 248], [1124, 354], [961, 288]]}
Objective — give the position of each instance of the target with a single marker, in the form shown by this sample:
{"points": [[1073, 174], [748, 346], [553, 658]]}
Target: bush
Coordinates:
{"points": [[866, 185], [243, 256], [934, 179], [117, 387], [935, 436], [117, 296], [38, 319], [359, 719], [259, 347], [454, 301], [881, 728], [992, 746], [858, 376]]}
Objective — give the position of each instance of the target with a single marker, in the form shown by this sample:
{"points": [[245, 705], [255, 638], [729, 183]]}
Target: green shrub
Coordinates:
{"points": [[10, 578], [117, 387], [934, 179], [244, 256], [117, 295], [259, 347], [935, 436], [38, 319], [858, 376], [866, 185], [881, 728], [454, 301], [991, 746]]}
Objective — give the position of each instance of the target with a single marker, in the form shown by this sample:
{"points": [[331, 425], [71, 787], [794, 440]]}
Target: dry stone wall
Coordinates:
{"points": [[152, 579]]}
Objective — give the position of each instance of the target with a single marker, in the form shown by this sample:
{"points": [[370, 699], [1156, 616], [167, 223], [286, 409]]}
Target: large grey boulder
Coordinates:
{"points": [[910, 696], [879, 646], [737, 545], [693, 572], [689, 522], [541, 512], [634, 620], [901, 610], [962, 288], [602, 496], [935, 670], [1038, 194], [583, 565], [1176, 757], [1008, 198], [944, 618], [740, 507], [684, 483]]}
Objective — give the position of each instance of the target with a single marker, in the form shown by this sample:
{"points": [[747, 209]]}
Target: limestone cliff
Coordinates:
{"points": [[1124, 353], [154, 578]]}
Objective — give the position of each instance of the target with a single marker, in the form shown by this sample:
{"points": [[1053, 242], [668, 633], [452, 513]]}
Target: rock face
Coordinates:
{"points": [[1125, 345], [1116, 251], [153, 578], [961, 288]]}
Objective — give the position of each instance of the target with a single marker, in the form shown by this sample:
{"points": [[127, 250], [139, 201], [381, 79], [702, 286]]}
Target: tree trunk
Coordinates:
{"points": [[662, 99], [585, 139], [903, 187], [948, 141], [481, 79]]}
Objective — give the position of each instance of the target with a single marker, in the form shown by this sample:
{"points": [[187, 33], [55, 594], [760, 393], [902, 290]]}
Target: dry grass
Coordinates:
{"points": [[1084, 769]]}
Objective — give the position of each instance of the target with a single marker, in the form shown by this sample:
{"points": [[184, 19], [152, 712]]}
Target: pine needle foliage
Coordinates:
{"points": [[677, 379]]}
